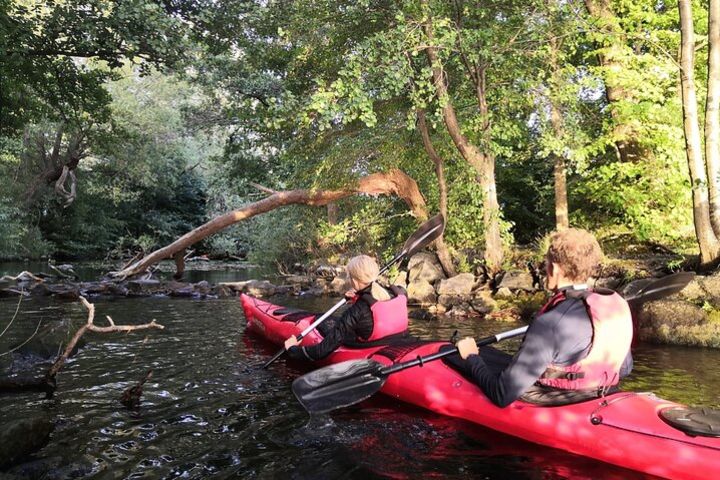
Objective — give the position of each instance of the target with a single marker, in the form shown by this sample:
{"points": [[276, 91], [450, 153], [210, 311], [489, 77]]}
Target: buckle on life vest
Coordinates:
{"points": [[574, 375]]}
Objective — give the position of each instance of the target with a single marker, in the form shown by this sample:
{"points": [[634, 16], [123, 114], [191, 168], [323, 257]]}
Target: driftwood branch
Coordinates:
{"points": [[90, 326], [23, 276], [134, 259], [48, 383], [60, 273], [394, 182]]}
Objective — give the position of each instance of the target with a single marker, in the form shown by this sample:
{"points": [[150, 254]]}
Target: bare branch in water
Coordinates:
{"points": [[90, 325]]}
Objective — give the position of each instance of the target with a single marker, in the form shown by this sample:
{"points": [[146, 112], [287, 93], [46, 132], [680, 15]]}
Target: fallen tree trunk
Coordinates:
{"points": [[394, 182]]}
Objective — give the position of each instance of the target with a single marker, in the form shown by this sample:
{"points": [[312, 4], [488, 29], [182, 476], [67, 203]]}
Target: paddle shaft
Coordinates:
{"points": [[436, 356]]}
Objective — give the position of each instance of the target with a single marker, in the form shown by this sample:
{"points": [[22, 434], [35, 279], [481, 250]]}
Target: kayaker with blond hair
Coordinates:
{"points": [[577, 347], [376, 314]]}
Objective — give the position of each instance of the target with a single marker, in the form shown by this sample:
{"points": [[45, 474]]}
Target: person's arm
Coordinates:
{"points": [[528, 364], [345, 327]]}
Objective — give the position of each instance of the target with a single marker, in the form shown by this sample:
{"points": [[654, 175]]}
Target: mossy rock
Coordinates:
{"points": [[21, 437], [527, 304], [678, 323]]}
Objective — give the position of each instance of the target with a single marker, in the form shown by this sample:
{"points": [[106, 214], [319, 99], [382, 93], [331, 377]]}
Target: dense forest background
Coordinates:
{"points": [[125, 124]]}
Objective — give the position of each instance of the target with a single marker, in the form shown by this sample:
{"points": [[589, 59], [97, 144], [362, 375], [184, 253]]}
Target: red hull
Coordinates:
{"points": [[627, 430]]}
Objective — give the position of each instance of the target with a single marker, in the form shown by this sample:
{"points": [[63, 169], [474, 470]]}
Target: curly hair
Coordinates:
{"points": [[576, 251]]}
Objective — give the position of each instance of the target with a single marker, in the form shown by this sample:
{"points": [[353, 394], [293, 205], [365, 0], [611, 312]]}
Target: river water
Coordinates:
{"points": [[209, 411]]}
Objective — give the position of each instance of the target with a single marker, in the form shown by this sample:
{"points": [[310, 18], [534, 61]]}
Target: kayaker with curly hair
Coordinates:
{"points": [[576, 348], [376, 314]]}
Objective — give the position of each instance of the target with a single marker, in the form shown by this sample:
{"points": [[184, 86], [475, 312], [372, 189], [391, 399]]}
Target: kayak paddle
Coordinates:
{"points": [[423, 236], [660, 288], [347, 383]]}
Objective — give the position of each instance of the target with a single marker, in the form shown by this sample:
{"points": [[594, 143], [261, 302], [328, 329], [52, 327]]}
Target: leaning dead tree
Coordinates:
{"points": [[54, 159], [394, 182]]}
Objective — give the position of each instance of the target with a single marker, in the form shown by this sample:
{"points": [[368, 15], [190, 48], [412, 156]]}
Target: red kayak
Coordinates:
{"points": [[624, 428]]}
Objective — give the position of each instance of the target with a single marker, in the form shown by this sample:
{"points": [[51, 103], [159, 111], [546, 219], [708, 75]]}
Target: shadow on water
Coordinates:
{"points": [[208, 411]]}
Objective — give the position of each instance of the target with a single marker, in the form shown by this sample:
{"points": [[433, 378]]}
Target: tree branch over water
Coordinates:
{"points": [[395, 182]]}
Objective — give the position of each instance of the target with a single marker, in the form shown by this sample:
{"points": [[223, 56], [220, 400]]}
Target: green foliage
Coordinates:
{"points": [[143, 185], [18, 238], [302, 234], [372, 227], [57, 55], [280, 237], [651, 199], [316, 94], [465, 212]]}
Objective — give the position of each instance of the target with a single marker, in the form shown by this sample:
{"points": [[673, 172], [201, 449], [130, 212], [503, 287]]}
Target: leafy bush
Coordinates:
{"points": [[18, 238]]}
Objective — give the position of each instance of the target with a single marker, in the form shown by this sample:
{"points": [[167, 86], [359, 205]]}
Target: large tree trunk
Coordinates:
{"points": [[562, 220], [627, 143], [483, 163], [333, 212], [707, 240], [712, 115], [442, 250], [394, 182]]}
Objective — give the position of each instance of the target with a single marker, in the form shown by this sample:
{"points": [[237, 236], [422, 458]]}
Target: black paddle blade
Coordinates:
{"points": [[661, 288], [338, 385], [424, 235]]}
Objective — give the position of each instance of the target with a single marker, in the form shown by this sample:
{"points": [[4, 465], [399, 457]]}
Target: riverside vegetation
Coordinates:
{"points": [[287, 132]]}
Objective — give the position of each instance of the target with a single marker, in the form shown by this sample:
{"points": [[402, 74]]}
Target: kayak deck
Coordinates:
{"points": [[623, 428]]}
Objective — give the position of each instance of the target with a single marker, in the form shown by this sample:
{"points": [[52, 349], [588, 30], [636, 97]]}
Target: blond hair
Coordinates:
{"points": [[362, 268], [577, 252]]}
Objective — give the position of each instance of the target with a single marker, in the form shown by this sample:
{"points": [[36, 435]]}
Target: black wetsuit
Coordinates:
{"points": [[561, 336], [355, 323]]}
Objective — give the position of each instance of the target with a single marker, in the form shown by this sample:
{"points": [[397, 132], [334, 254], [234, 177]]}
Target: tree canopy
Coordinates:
{"points": [[126, 124]]}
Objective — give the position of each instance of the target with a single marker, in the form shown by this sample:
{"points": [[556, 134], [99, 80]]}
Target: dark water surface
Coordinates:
{"points": [[208, 411]]}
